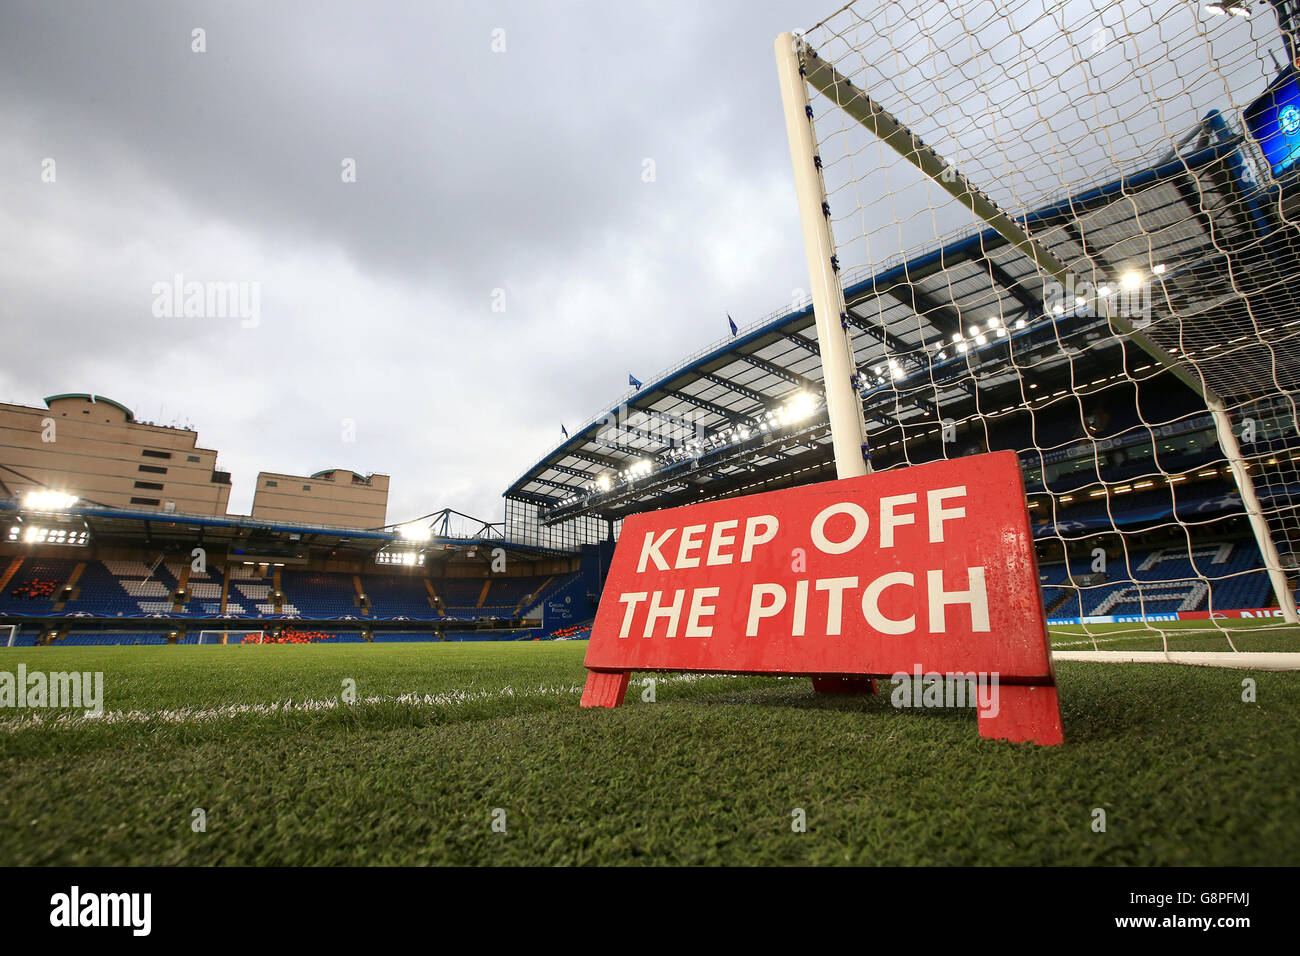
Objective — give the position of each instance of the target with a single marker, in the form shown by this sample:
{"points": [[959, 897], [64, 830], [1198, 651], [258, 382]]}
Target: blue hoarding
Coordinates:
{"points": [[1274, 121]]}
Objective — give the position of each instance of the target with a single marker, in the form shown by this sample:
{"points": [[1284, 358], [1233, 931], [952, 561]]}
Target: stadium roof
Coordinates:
{"points": [[747, 413], [279, 541]]}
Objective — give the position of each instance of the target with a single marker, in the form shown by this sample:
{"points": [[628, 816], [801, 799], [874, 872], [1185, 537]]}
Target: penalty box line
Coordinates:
{"points": [[188, 715], [71, 720]]}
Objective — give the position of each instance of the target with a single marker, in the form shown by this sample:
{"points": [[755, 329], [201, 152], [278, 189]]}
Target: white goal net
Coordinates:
{"points": [[1070, 229], [239, 636]]}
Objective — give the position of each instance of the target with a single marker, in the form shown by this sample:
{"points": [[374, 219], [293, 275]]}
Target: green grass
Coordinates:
{"points": [[1261, 634], [710, 773]]}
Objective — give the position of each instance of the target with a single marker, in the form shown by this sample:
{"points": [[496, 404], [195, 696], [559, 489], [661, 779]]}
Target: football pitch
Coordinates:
{"points": [[443, 741]]}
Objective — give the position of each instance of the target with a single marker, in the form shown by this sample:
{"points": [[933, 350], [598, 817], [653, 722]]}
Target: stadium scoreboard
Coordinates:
{"points": [[1274, 121]]}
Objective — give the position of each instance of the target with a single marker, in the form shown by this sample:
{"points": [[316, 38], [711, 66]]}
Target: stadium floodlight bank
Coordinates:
{"points": [[909, 120], [235, 636]]}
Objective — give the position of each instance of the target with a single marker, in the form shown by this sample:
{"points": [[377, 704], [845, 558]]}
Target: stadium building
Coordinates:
{"points": [[93, 447], [115, 531]]}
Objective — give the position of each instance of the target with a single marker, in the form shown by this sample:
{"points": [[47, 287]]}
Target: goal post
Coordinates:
{"points": [[839, 372], [9, 634], [1254, 510], [232, 636], [1135, 246]]}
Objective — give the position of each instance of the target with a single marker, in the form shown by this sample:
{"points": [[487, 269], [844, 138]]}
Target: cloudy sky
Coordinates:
{"points": [[476, 171]]}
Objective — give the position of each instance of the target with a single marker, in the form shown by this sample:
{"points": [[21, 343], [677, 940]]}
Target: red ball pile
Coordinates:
{"points": [[289, 636], [579, 630], [36, 588]]}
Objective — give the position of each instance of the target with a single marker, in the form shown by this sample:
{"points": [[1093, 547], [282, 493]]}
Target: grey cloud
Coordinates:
{"points": [[475, 171]]}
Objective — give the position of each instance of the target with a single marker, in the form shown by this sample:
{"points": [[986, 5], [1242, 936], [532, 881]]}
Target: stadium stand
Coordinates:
{"points": [[248, 592], [321, 594], [461, 595], [78, 598], [1164, 580], [109, 638], [27, 635], [132, 589], [119, 589], [394, 596], [35, 586]]}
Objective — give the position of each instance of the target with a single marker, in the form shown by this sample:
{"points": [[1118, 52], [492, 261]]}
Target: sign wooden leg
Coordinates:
{"points": [[605, 688], [843, 685], [1026, 713]]}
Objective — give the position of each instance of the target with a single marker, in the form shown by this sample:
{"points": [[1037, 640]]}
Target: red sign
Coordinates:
{"points": [[927, 570]]}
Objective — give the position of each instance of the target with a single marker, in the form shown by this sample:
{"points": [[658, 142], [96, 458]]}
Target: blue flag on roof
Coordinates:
{"points": [[732, 322], [565, 430], [633, 380]]}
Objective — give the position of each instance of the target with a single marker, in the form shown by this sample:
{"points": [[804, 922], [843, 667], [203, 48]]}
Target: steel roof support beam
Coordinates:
{"points": [[749, 393], [784, 374], [622, 429], [878, 333], [799, 340], [733, 417], [532, 498], [566, 470], [944, 318], [1033, 304], [594, 458], [558, 484]]}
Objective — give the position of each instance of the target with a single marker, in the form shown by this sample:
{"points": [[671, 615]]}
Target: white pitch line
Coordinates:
{"points": [[184, 715], [76, 719], [1116, 640], [1244, 660], [1103, 640], [1138, 636]]}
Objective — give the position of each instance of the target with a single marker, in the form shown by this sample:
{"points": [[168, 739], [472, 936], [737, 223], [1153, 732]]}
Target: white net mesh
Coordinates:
{"points": [[1159, 285], [238, 636]]}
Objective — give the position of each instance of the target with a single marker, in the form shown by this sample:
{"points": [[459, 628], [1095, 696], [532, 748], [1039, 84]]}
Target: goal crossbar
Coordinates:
{"points": [[828, 81]]}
